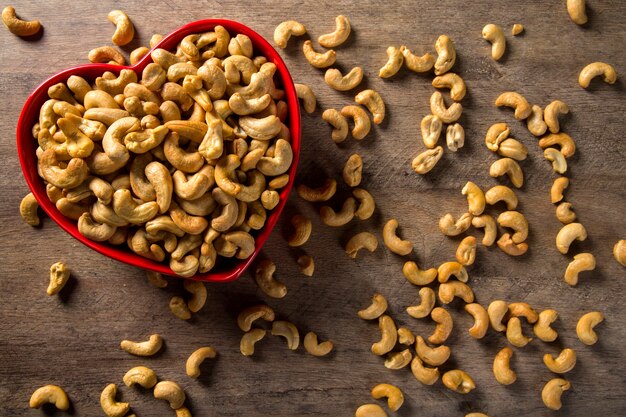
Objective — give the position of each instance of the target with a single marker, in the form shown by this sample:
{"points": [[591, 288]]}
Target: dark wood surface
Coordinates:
{"points": [[73, 340]]}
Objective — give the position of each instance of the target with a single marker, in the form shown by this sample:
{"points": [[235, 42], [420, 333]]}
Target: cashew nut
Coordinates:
{"points": [[367, 205], [389, 336], [455, 137], [362, 123], [506, 244], [535, 123], [450, 227], [393, 64], [314, 348], [28, 210], [140, 375], [489, 224], [338, 219], [339, 82], [106, 54], [458, 381], [146, 348], [515, 101], [514, 333], [446, 54], [446, 114], [393, 242], [198, 292], [496, 312], [338, 36], [192, 366], [563, 140], [302, 230], [495, 35], [50, 394], [496, 134], [551, 114], [125, 31], [516, 30], [307, 96], [449, 290], [425, 375], [17, 26], [370, 410], [417, 276], [288, 331], [553, 390], [501, 193], [431, 356], [453, 82], [569, 233], [248, 315], [431, 130], [577, 12], [509, 167], [285, 30], [398, 360], [558, 186], [109, 405], [374, 103], [59, 275], [363, 240], [585, 325], [516, 221], [447, 269], [582, 262], [316, 59], [394, 395], [481, 320], [513, 148], [475, 198], [405, 336], [375, 309], [427, 297], [443, 327], [426, 161], [339, 122], [93, 230], [69, 177], [501, 367], [171, 392], [352, 170], [563, 363], [249, 339], [264, 277], [596, 69], [542, 327], [619, 252], [323, 193]]}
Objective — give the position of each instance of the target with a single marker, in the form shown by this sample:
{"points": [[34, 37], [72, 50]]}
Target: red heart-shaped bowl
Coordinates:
{"points": [[226, 269]]}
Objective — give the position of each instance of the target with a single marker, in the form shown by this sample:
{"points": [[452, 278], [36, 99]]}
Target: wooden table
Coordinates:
{"points": [[73, 340]]}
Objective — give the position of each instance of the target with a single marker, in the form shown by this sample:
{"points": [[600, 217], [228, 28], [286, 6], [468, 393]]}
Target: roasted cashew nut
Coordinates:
{"points": [[394, 395], [393, 242], [249, 339], [509, 167], [393, 64], [286, 30], [535, 122], [338, 122], [569, 233], [563, 363], [91, 229], [106, 54], [446, 114], [375, 309], [417, 63], [455, 137], [370, 410], [515, 101], [452, 268], [619, 252], [431, 130], [339, 82], [317, 59], [444, 325], [362, 123], [466, 251], [542, 327], [426, 161], [553, 390], [314, 348], [50, 394], [514, 333], [17, 26], [59, 275], [69, 177], [287, 330], [501, 193], [427, 297], [338, 36], [374, 103], [192, 366], [352, 170], [249, 315], [496, 134], [425, 375], [585, 325], [125, 31], [171, 392], [389, 336], [451, 227], [458, 381], [363, 240], [563, 140], [475, 198], [405, 336], [521, 309], [264, 277], [110, 406], [323, 193], [481, 320], [559, 164], [582, 262], [489, 224], [147, 348], [140, 375], [516, 221], [495, 35], [28, 210], [197, 289], [453, 82], [449, 290], [577, 12], [551, 114], [501, 367], [306, 264], [513, 148], [496, 311], [446, 55], [340, 218], [594, 70], [431, 356], [558, 186], [367, 205]]}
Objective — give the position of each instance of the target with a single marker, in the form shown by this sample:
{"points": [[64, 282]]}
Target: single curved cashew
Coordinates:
{"points": [[585, 325], [93, 230], [619, 252], [426, 161], [109, 405], [264, 277], [554, 389], [171, 392], [542, 327], [99, 99], [535, 122], [431, 356], [250, 314], [138, 53], [50, 394], [363, 240], [249, 339], [458, 381], [447, 269], [563, 140], [563, 363], [104, 115], [496, 134], [69, 177], [509, 167], [262, 129], [582, 262], [186, 267], [501, 367], [569, 233], [516, 221], [431, 130], [314, 348], [362, 123], [551, 114], [395, 58], [446, 54], [238, 68], [79, 87], [323, 193], [302, 230], [270, 199], [28, 210], [512, 148], [370, 410], [446, 114], [17, 26], [339, 122], [417, 63], [515, 101], [197, 289], [558, 186], [71, 210], [451, 227], [192, 366], [338, 36], [455, 137], [521, 309], [393, 242], [59, 274], [475, 198], [577, 12], [140, 375], [288, 331], [427, 297], [514, 333], [106, 54], [425, 375], [242, 107], [287, 29], [125, 31], [501, 193], [449, 290], [159, 177], [481, 320], [389, 336], [496, 311], [394, 395], [304, 92], [594, 70], [275, 165], [179, 71], [241, 45], [405, 336], [340, 218], [444, 325], [146, 348], [495, 35], [375, 309], [466, 251], [339, 82]]}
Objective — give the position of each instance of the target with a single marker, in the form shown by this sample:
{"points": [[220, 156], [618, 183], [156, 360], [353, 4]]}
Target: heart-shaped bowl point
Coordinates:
{"points": [[226, 269]]}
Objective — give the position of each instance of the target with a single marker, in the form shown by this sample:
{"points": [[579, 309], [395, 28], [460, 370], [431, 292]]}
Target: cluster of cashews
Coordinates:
{"points": [[181, 163]]}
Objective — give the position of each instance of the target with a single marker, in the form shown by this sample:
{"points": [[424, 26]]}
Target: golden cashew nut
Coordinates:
{"points": [[455, 137], [367, 205], [17, 26], [249, 315], [302, 230], [542, 327], [449, 290], [521, 309], [416, 276], [431, 356], [124, 31], [475, 198], [405, 336], [393, 242], [375, 309], [370, 410], [50, 394], [106, 54], [352, 170], [427, 297], [516, 30], [513, 148], [559, 164], [138, 53], [264, 277], [229, 213], [394, 395], [496, 311], [249, 339], [451, 227], [338, 122], [496, 134], [338, 36], [417, 63], [425, 375], [171, 392], [91, 229], [558, 186], [563, 140], [109, 405], [501, 367], [393, 64], [363, 240], [447, 269], [481, 320], [594, 70], [192, 366], [197, 289], [286, 30], [563, 363], [509, 167], [28, 210], [306, 265], [265, 128], [535, 123], [426, 161], [339, 82], [551, 114], [69, 177], [140, 375], [431, 130], [453, 82], [398, 360], [128, 209], [501, 193], [569, 233], [146, 348], [362, 123], [443, 327], [287, 330], [317, 59], [585, 325], [446, 114], [270, 199], [552, 392], [340, 218], [515, 101], [619, 252], [389, 336], [446, 55], [577, 12], [243, 107], [489, 224], [314, 348], [514, 333], [516, 221], [582, 262], [466, 251], [304, 93], [458, 381], [495, 35], [59, 275], [374, 103]]}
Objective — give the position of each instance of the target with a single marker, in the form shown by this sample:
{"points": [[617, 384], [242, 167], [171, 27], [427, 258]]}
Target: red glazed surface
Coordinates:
{"points": [[226, 269]]}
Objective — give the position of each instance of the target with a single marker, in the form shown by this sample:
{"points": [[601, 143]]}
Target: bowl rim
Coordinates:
{"points": [[28, 161]]}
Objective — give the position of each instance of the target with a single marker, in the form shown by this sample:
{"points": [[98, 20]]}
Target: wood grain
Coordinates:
{"points": [[73, 340]]}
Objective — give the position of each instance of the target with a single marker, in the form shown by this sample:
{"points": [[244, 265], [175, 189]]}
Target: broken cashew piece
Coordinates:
{"points": [[339, 82], [455, 137], [171, 392], [426, 161], [395, 59], [567, 235], [594, 70], [50, 394], [338, 36], [287, 330], [286, 30], [416, 276], [363, 240], [389, 336], [552, 392], [495, 35], [306, 264], [314, 348], [458, 381], [517, 29], [59, 275], [394, 395], [563, 363], [501, 367], [542, 327], [582, 262], [192, 366], [375, 309], [427, 297], [374, 103], [466, 251], [17, 26], [146, 348], [393, 242], [109, 405], [405, 336], [577, 11], [585, 325], [515, 101], [249, 339]]}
